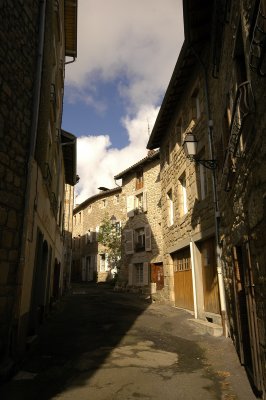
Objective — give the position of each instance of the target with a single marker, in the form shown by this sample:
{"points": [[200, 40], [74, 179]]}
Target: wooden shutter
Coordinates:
{"points": [[129, 244], [106, 262], [147, 238], [130, 206], [130, 274], [146, 273], [145, 201]]}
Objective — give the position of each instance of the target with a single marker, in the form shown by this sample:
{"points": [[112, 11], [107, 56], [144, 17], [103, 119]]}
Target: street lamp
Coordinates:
{"points": [[190, 145], [113, 220]]}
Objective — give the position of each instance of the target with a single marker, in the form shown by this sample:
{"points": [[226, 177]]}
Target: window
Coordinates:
{"points": [[183, 206], [104, 262], [104, 203], [195, 105], [167, 153], [138, 273], [140, 239], [88, 237], [116, 199], [139, 202], [89, 208], [139, 179], [170, 207], [179, 131]]}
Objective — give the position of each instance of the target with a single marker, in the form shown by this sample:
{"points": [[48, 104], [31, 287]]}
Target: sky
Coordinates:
{"points": [[127, 51]]}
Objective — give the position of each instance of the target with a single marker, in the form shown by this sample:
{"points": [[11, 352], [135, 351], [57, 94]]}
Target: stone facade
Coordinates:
{"points": [[220, 79], [240, 138], [32, 167], [90, 258], [142, 265]]}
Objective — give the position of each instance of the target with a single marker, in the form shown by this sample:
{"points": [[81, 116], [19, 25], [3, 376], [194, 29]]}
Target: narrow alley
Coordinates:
{"points": [[99, 344]]}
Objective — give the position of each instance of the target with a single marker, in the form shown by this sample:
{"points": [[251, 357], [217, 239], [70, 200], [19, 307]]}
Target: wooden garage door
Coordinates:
{"points": [[183, 279], [209, 276]]}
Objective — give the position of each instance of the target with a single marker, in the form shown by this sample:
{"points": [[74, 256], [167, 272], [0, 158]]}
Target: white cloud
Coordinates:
{"points": [[135, 43], [98, 162], [138, 39]]}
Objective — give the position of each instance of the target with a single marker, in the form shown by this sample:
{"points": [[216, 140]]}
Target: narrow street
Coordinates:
{"points": [[101, 345]]}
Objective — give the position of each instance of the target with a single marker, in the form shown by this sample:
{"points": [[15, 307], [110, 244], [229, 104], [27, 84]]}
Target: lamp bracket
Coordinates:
{"points": [[210, 164]]}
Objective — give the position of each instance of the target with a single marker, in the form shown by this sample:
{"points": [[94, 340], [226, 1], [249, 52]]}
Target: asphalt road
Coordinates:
{"points": [[102, 345]]}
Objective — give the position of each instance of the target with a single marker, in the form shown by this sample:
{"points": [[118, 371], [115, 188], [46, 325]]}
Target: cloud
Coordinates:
{"points": [[137, 39], [98, 162], [134, 44]]}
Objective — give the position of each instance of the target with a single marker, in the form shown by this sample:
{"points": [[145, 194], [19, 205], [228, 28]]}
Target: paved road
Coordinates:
{"points": [[104, 345]]}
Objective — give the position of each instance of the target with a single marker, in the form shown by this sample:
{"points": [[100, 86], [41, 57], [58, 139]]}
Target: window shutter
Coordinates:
{"points": [[146, 273], [147, 238], [130, 206], [145, 201], [130, 274], [129, 248]]}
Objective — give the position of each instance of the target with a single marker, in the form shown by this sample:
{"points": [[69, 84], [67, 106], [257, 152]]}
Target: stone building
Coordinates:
{"points": [[142, 265], [35, 39], [188, 202], [213, 203], [240, 142], [90, 258]]}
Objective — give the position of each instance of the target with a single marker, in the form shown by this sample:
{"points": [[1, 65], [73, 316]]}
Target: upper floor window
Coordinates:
{"points": [[116, 199], [104, 203], [195, 105], [170, 207], [138, 239], [183, 206], [139, 179]]}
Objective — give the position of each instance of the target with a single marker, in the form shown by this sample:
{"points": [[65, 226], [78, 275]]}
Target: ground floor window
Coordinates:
{"points": [[139, 273]]}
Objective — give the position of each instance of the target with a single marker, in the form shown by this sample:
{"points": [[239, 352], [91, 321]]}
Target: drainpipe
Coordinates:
{"points": [[215, 197], [33, 137], [191, 245]]}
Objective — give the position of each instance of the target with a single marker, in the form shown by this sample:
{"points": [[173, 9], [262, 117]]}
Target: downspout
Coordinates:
{"points": [[215, 197], [33, 138], [191, 245]]}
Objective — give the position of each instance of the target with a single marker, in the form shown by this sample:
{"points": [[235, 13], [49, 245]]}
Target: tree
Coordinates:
{"points": [[110, 237]]}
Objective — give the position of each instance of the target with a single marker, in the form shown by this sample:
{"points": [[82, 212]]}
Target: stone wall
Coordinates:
{"points": [[151, 216], [88, 217], [18, 51], [242, 184]]}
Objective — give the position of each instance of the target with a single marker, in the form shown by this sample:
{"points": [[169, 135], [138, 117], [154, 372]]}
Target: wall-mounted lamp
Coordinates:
{"points": [[113, 220], [190, 145]]}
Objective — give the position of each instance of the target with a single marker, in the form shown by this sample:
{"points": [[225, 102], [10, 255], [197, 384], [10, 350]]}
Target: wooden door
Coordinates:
{"points": [[157, 275], [209, 276], [245, 307], [183, 286]]}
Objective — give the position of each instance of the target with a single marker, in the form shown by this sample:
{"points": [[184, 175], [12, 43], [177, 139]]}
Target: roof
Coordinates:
{"points": [[96, 197], [197, 26], [69, 148], [150, 157], [71, 17]]}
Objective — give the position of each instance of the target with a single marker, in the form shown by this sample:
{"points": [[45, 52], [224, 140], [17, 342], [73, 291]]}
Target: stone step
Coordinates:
{"points": [[207, 327]]}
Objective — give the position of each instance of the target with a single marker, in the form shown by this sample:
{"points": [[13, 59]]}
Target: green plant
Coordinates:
{"points": [[110, 237]]}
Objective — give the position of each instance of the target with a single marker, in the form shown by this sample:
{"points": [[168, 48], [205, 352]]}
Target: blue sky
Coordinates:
{"points": [[82, 119], [126, 55]]}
